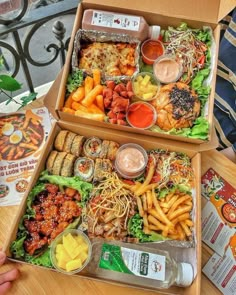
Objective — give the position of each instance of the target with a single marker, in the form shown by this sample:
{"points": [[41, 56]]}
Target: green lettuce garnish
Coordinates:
{"points": [[200, 129], [75, 182], [74, 80], [42, 260], [17, 247], [135, 229]]}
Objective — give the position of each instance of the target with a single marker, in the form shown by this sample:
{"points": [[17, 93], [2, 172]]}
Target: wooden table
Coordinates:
{"points": [[35, 280]]}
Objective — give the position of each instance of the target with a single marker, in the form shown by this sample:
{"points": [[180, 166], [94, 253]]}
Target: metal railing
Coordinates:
{"points": [[35, 19]]}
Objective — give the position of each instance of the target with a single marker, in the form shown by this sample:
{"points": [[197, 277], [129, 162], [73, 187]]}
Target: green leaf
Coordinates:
{"points": [[27, 99], [9, 83]]}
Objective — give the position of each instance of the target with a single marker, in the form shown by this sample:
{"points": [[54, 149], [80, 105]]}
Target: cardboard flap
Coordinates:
{"points": [[50, 99], [210, 11]]}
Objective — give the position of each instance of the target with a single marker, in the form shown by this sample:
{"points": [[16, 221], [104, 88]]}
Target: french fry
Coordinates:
{"points": [[156, 222], [181, 232], [153, 227], [149, 200], [158, 212], [88, 85], [144, 201], [145, 220], [177, 203], [91, 96], [169, 196], [179, 211], [143, 189], [69, 101], [163, 204], [188, 222], [140, 206], [99, 102], [185, 228], [79, 94], [146, 230], [96, 77], [181, 218], [148, 178], [172, 200], [161, 216]]}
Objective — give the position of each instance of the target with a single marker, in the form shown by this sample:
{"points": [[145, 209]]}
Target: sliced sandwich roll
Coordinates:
{"points": [[77, 145], [50, 161], [57, 165], [68, 165], [60, 140]]}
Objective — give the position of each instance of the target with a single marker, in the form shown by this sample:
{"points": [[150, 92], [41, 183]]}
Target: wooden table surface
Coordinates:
{"points": [[35, 280]]}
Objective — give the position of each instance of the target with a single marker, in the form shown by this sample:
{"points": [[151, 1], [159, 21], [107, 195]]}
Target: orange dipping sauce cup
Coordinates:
{"points": [[151, 50]]}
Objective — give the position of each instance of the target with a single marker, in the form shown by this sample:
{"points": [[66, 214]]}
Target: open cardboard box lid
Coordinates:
{"points": [[51, 98], [209, 11]]}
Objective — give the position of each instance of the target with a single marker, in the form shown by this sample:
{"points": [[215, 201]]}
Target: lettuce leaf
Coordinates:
{"points": [[35, 191], [75, 182], [200, 129], [42, 260], [135, 228], [199, 78], [17, 248]]}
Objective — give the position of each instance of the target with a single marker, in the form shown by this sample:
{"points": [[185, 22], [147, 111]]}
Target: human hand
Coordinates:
{"points": [[6, 278]]}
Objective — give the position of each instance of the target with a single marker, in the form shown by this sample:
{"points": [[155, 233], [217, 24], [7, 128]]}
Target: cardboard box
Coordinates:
{"points": [[147, 143], [196, 14]]}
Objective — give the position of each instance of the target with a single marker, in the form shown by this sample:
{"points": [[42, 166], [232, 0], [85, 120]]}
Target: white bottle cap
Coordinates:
{"points": [[185, 275], [154, 32]]}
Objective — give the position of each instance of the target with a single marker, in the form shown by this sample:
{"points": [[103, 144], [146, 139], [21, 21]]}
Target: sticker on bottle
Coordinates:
{"points": [[116, 21], [139, 263]]}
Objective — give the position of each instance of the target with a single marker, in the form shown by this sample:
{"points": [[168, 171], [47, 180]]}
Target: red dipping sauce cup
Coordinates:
{"points": [[141, 115], [151, 50]]}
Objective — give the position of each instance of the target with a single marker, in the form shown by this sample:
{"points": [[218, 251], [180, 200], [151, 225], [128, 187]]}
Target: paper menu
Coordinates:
{"points": [[222, 272], [221, 194], [22, 136], [215, 233]]}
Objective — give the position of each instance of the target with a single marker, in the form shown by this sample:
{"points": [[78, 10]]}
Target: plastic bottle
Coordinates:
{"points": [[139, 265], [113, 22]]}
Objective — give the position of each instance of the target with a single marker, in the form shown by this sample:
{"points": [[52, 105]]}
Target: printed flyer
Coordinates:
{"points": [[222, 272], [22, 136]]}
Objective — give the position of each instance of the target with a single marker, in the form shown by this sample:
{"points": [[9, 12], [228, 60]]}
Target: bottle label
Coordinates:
{"points": [[116, 21], [139, 263]]}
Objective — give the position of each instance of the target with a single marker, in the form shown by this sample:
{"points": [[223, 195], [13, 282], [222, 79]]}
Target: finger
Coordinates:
{"points": [[2, 257], [5, 287], [8, 276]]}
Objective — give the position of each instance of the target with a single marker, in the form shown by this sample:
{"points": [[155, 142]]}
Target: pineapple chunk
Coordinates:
{"points": [[62, 263], [70, 244], [73, 264], [79, 239], [82, 256], [147, 96], [145, 80], [59, 248], [63, 255]]}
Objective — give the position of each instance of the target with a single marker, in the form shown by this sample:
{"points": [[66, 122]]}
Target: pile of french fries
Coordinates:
{"points": [[87, 100], [168, 216]]}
